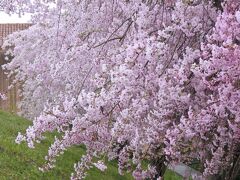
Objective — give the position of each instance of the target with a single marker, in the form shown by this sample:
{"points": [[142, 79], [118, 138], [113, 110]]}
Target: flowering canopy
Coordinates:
{"points": [[137, 81]]}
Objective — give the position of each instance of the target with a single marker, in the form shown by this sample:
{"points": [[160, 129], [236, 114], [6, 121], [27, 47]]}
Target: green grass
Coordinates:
{"points": [[20, 162]]}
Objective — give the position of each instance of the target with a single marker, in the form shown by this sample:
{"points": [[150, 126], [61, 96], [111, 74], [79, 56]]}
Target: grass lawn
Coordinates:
{"points": [[20, 162]]}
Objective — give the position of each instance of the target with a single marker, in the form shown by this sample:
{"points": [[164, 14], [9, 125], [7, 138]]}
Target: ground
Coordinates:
{"points": [[20, 162]]}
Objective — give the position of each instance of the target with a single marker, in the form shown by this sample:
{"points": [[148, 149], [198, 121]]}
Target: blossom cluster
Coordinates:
{"points": [[3, 96]]}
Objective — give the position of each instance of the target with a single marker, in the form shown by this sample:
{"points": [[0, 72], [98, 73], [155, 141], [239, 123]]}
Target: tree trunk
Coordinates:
{"points": [[160, 167]]}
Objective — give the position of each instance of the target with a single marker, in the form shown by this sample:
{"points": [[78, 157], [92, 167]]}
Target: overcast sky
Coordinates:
{"points": [[5, 18]]}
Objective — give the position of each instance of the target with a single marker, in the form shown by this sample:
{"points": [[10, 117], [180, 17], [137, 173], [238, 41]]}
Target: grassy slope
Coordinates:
{"points": [[20, 162]]}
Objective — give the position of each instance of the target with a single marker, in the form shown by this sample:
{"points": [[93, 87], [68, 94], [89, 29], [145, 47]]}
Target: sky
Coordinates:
{"points": [[5, 18]]}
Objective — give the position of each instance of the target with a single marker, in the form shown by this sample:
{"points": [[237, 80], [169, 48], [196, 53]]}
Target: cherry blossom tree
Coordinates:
{"points": [[142, 81], [213, 127]]}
